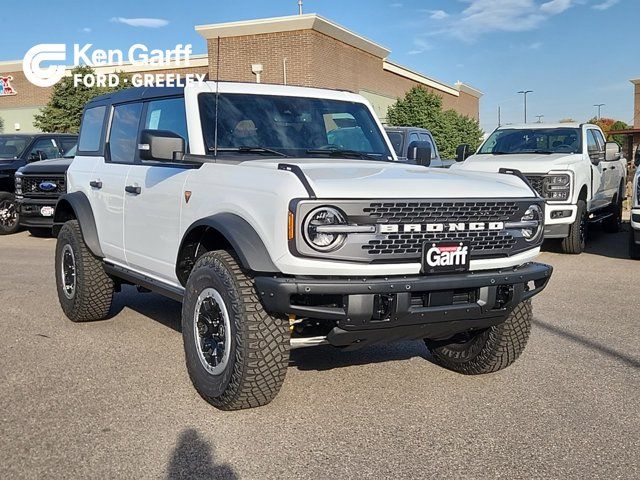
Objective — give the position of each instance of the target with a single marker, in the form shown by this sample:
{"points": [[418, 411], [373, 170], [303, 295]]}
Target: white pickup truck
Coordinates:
{"points": [[634, 234], [579, 174]]}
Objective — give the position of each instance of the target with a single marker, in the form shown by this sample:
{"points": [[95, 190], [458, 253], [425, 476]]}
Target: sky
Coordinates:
{"points": [[571, 53]]}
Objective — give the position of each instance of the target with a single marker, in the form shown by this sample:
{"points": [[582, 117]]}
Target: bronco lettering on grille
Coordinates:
{"points": [[441, 227]]}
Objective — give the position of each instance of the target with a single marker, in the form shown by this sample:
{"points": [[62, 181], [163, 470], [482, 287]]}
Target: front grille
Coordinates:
{"points": [[537, 182], [32, 186], [439, 212]]}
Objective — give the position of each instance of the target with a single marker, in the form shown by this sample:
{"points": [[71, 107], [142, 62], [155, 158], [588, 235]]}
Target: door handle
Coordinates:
{"points": [[95, 184], [132, 189]]}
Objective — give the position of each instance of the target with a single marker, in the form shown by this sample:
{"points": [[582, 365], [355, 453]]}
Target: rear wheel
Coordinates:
{"points": [[488, 350], [576, 241], [236, 353], [9, 219]]}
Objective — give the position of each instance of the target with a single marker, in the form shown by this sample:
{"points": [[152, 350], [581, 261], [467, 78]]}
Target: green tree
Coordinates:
{"points": [[422, 108], [1, 124], [64, 110]]}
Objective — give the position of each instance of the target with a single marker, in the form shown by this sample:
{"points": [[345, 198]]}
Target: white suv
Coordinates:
{"points": [[581, 177], [237, 200]]}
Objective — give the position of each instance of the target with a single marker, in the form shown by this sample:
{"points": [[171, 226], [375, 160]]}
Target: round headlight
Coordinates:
{"points": [[324, 217], [534, 217]]}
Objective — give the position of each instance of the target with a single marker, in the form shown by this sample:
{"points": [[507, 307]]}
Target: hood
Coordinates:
{"points": [[526, 163], [342, 178], [56, 165]]}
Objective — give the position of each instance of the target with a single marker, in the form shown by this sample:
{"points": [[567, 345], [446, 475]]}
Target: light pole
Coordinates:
{"points": [[539, 117], [525, 92], [598, 106], [299, 7]]}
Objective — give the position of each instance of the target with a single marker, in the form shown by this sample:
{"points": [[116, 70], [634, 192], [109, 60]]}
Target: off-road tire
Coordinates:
{"points": [[40, 232], [94, 289], [613, 224], [575, 243], [634, 248], [489, 350], [259, 350], [8, 230]]}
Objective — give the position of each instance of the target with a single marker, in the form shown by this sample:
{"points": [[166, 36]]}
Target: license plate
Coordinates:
{"points": [[47, 211], [446, 257]]}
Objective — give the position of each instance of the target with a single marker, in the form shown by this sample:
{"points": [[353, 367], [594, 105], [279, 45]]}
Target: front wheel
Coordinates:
{"points": [[9, 219], [576, 242], [236, 353], [488, 350], [613, 224]]}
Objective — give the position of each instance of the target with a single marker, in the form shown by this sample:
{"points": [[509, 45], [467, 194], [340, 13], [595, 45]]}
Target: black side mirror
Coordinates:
{"points": [[612, 152], [161, 145], [420, 152], [463, 152], [36, 156]]}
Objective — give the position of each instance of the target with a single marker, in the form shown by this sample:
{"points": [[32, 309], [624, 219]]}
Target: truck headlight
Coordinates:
{"points": [[532, 223], [557, 187], [18, 184], [638, 192], [318, 220]]}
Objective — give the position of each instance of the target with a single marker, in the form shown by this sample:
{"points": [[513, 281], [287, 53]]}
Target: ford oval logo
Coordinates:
{"points": [[47, 186]]}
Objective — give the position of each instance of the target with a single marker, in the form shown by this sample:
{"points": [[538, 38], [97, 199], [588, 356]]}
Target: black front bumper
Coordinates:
{"points": [[369, 310], [29, 210]]}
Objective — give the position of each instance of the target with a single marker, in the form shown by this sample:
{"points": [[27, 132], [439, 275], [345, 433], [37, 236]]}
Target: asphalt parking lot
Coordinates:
{"points": [[113, 399]]}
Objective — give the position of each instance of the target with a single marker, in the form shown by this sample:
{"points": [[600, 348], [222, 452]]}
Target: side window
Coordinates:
{"points": [[43, 149], [91, 129], [592, 143], [425, 137], [167, 114], [123, 139], [599, 138], [67, 143], [414, 138]]}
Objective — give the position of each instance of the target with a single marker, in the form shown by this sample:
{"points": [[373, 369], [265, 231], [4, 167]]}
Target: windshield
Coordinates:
{"points": [[291, 126], [396, 139], [533, 140], [12, 146], [71, 153]]}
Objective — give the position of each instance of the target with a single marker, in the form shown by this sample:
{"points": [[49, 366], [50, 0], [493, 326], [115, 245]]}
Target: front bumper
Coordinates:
{"points": [[635, 225], [370, 310], [30, 211]]}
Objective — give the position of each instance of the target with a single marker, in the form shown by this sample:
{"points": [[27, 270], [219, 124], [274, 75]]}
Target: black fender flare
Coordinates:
{"points": [[77, 205], [242, 237]]}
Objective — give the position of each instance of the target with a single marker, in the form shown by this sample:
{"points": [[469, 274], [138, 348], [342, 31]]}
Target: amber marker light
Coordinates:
{"points": [[292, 223]]}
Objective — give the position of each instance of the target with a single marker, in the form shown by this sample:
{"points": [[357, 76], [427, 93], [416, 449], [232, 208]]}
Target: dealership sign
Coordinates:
{"points": [[5, 86]]}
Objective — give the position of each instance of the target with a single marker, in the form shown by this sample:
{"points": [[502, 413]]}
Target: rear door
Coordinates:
{"points": [[152, 211], [595, 150]]}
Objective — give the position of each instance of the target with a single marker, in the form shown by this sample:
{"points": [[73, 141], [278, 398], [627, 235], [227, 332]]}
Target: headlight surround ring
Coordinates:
{"points": [[534, 213], [324, 242]]}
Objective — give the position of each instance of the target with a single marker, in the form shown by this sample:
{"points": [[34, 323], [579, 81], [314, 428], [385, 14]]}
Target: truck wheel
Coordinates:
{"points": [[84, 289], [577, 239], [236, 353], [613, 224], [9, 220], [488, 350], [634, 248]]}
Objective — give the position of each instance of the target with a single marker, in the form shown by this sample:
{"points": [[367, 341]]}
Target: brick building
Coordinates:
{"points": [[305, 50], [633, 134]]}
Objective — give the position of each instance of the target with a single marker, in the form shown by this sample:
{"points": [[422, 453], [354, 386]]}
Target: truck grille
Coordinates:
{"points": [[33, 186], [537, 182]]}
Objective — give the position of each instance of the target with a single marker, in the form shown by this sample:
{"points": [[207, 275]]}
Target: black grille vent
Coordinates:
{"points": [[441, 212], [537, 182], [33, 186]]}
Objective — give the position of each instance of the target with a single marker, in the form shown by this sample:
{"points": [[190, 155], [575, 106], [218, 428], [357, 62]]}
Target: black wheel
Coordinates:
{"points": [[634, 248], [577, 239], [40, 232], [84, 289], [236, 353], [613, 224], [487, 350], [9, 218]]}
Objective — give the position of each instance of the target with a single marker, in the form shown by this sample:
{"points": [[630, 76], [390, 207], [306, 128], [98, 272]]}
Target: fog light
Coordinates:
{"points": [[560, 214]]}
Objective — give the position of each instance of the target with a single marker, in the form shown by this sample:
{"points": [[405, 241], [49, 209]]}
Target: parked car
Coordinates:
{"points": [[580, 175], [634, 232], [274, 238], [16, 151], [38, 187], [403, 138]]}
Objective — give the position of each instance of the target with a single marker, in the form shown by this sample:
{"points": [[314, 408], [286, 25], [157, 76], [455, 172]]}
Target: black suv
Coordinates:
{"points": [[16, 151], [403, 138]]}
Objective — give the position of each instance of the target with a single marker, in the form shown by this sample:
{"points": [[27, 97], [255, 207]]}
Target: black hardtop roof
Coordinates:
{"points": [[35, 135], [132, 94], [405, 129]]}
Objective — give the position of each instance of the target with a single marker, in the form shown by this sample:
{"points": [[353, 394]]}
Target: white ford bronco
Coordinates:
{"points": [[579, 174], [277, 230]]}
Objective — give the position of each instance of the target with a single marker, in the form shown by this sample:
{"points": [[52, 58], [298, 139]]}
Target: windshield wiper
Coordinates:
{"points": [[336, 152], [248, 150]]}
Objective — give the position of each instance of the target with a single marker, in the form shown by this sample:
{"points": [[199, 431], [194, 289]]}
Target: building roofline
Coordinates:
{"points": [[468, 89], [419, 78], [310, 21], [635, 81]]}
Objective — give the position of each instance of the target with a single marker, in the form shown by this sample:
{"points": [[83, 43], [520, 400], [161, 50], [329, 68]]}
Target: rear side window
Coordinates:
{"points": [[396, 141], [91, 129], [167, 114], [123, 139]]}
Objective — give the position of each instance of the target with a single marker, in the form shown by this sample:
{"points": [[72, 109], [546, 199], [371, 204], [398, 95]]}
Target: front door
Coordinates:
{"points": [[598, 181]]}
